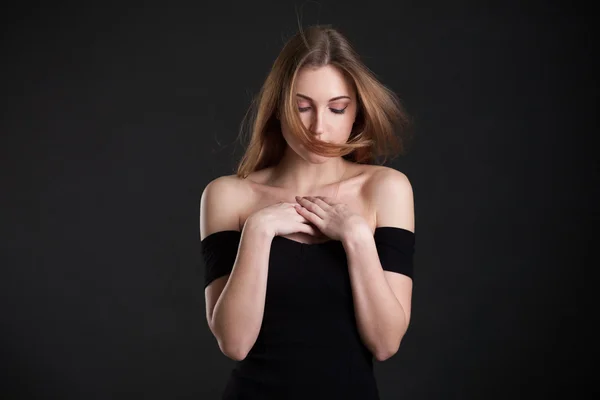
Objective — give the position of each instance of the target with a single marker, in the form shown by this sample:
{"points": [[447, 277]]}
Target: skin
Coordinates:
{"points": [[301, 171], [327, 105], [382, 299]]}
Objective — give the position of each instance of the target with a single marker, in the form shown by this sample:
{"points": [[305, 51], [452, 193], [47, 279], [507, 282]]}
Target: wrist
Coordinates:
{"points": [[258, 227], [356, 235]]}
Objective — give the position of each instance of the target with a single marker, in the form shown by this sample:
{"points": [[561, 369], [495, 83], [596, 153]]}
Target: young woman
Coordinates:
{"points": [[308, 249]]}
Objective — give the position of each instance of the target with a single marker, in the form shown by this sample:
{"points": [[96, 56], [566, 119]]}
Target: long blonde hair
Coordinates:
{"points": [[380, 114]]}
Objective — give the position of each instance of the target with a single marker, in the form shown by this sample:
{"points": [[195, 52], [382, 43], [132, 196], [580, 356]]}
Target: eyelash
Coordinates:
{"points": [[334, 110]]}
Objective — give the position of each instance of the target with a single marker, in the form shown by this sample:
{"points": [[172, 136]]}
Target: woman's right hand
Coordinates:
{"points": [[281, 219]]}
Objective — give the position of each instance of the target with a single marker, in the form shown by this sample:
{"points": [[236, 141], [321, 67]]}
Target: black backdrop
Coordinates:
{"points": [[114, 119]]}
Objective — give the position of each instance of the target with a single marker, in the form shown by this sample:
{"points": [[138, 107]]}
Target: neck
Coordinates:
{"points": [[304, 178]]}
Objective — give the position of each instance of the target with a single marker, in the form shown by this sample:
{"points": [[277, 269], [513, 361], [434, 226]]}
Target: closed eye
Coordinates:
{"points": [[333, 110]]}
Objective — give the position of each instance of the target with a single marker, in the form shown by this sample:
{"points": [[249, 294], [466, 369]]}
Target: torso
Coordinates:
{"points": [[353, 190]]}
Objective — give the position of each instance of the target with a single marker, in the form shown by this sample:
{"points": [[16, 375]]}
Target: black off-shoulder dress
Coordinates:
{"points": [[308, 346]]}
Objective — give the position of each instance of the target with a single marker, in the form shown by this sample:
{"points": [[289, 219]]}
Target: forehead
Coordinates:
{"points": [[323, 83]]}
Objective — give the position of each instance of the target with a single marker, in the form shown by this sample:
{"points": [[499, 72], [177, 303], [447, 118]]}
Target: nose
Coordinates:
{"points": [[318, 124]]}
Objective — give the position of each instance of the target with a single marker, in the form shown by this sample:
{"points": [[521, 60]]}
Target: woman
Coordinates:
{"points": [[309, 248]]}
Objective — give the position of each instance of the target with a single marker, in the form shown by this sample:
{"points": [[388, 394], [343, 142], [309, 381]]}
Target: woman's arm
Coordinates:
{"points": [[235, 303], [382, 299]]}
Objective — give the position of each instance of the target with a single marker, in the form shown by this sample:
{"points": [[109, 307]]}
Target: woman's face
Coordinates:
{"points": [[327, 105]]}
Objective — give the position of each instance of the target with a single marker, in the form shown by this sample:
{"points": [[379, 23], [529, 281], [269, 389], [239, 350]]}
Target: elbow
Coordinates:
{"points": [[233, 352], [231, 348], [385, 354], [235, 355]]}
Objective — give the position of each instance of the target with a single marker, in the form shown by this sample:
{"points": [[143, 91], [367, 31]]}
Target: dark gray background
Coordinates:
{"points": [[114, 119]]}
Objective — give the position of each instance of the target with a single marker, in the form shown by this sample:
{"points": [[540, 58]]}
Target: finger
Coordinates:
{"points": [[302, 219], [300, 216], [313, 207], [309, 215], [309, 229], [321, 202]]}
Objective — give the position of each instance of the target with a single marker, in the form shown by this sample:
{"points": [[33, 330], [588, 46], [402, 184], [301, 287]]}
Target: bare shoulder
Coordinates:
{"points": [[380, 178], [219, 205], [391, 194], [381, 174]]}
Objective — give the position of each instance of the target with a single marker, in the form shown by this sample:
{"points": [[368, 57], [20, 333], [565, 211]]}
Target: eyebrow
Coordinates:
{"points": [[332, 99]]}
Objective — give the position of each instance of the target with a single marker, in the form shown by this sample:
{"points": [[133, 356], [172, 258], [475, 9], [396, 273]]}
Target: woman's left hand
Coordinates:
{"points": [[334, 220]]}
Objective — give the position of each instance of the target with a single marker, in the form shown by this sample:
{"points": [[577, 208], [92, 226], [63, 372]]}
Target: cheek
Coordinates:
{"points": [[291, 140], [306, 119], [339, 126], [343, 124]]}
